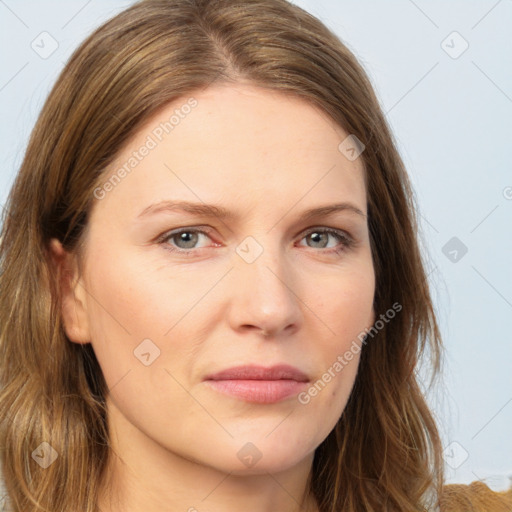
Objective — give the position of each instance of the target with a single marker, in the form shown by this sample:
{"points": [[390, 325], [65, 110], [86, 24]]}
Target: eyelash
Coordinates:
{"points": [[346, 241]]}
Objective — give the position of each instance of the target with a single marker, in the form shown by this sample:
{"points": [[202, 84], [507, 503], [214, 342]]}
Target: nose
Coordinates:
{"points": [[265, 297]]}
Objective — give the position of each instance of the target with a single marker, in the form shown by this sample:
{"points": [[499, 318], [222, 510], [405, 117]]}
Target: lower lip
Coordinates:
{"points": [[259, 391]]}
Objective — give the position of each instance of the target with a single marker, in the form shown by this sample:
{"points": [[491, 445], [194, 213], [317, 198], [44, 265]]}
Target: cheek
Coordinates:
{"points": [[131, 300], [346, 306], [132, 293], [134, 322]]}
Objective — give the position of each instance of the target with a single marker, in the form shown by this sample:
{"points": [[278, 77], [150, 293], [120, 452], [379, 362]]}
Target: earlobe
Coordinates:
{"points": [[72, 293]]}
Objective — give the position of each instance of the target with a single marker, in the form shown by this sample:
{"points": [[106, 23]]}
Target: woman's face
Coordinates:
{"points": [[208, 240]]}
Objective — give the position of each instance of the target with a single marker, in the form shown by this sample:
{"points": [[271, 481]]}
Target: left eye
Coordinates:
{"points": [[320, 238]]}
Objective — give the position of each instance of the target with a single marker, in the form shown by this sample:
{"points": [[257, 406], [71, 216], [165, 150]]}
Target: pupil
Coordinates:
{"points": [[316, 238], [187, 240]]}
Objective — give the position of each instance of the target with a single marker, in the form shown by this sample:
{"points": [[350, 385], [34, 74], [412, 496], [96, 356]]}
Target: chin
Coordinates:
{"points": [[265, 456]]}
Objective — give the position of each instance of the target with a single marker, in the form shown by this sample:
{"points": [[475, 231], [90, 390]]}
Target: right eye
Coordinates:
{"points": [[184, 240]]}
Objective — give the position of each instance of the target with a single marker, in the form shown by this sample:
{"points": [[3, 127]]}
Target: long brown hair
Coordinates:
{"points": [[384, 453]]}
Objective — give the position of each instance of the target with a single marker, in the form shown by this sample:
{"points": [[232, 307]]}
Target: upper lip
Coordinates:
{"points": [[252, 372]]}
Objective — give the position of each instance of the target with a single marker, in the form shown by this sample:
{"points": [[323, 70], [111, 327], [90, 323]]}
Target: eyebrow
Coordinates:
{"points": [[210, 210]]}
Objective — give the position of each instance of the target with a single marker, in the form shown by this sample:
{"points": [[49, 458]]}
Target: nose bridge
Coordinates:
{"points": [[265, 284]]}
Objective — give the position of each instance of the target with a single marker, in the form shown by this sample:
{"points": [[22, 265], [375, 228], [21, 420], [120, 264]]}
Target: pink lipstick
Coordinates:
{"points": [[259, 384]]}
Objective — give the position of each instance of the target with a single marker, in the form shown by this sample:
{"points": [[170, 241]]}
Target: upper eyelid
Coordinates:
{"points": [[327, 229]]}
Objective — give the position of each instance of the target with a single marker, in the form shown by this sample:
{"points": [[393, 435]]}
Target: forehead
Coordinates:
{"points": [[236, 144]]}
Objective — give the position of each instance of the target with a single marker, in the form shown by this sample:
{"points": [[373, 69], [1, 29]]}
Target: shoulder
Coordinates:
{"points": [[475, 497]]}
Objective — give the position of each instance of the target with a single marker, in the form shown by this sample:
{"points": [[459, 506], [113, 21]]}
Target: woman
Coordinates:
{"points": [[212, 292]]}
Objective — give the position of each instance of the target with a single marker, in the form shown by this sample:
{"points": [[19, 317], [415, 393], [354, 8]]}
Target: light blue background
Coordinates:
{"points": [[452, 122]]}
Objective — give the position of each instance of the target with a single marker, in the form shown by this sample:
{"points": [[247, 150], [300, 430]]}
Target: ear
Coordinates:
{"points": [[72, 292]]}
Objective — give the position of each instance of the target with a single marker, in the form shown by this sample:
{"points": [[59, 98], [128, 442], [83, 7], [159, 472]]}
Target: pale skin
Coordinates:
{"points": [[267, 158]]}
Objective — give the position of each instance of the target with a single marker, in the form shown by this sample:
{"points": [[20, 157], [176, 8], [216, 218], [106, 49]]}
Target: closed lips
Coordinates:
{"points": [[277, 372]]}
